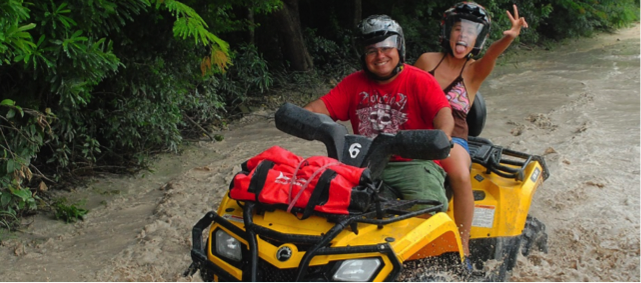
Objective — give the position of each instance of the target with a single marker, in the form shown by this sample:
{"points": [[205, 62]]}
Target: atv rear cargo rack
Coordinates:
{"points": [[501, 161], [386, 212]]}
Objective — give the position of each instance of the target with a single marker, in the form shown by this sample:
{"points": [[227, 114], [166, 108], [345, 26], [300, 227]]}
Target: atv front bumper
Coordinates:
{"points": [[253, 268], [314, 257]]}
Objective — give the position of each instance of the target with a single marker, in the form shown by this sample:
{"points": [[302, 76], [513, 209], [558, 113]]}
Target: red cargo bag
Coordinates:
{"points": [[318, 183]]}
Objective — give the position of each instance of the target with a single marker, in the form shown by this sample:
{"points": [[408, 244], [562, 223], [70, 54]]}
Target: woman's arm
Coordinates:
{"points": [[484, 66]]}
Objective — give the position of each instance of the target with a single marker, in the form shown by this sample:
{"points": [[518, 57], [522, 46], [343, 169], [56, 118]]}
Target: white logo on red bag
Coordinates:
{"points": [[284, 180], [281, 179]]}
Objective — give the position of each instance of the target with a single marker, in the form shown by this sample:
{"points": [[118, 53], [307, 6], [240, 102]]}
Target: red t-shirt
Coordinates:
{"points": [[409, 102]]}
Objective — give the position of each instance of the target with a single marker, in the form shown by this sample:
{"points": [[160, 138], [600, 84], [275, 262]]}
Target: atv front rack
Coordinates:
{"points": [[501, 161], [386, 212]]}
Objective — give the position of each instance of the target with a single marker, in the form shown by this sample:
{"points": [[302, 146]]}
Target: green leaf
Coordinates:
{"points": [[27, 27], [24, 194], [8, 102], [11, 113], [19, 58], [67, 22], [77, 34], [61, 7], [11, 166], [20, 110], [40, 40], [5, 198]]}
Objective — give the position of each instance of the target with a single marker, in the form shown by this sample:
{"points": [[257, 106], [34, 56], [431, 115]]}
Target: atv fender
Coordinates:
{"points": [[506, 201], [430, 238]]}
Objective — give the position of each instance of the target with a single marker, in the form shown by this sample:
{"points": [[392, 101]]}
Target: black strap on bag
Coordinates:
{"points": [[257, 181], [320, 195]]}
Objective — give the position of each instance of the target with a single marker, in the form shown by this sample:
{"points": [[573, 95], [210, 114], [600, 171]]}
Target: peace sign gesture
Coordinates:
{"points": [[517, 23]]}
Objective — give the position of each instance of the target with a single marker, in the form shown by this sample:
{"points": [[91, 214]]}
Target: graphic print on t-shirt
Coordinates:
{"points": [[380, 113]]}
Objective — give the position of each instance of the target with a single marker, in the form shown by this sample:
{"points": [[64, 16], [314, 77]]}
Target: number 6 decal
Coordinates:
{"points": [[354, 150]]}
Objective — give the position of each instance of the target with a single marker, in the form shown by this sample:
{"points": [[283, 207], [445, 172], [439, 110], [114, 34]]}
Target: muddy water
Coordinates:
{"points": [[577, 105]]}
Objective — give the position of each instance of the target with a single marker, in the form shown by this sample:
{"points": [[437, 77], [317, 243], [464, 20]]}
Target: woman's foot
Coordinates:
{"points": [[467, 264]]}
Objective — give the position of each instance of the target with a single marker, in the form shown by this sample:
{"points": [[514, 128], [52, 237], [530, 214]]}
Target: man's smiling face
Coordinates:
{"points": [[382, 58]]}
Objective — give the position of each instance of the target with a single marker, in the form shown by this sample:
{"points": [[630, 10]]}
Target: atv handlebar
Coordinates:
{"points": [[413, 144], [311, 126]]}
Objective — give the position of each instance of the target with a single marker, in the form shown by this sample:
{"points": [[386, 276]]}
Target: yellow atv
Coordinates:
{"points": [[253, 241]]}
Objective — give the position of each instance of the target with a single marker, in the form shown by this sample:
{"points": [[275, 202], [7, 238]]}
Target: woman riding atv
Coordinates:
{"points": [[465, 28]]}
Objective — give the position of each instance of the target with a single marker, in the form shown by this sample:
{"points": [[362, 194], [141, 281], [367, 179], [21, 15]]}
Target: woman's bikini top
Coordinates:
{"points": [[456, 92]]}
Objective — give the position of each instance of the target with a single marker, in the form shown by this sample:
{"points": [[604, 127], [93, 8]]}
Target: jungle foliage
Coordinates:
{"points": [[90, 86]]}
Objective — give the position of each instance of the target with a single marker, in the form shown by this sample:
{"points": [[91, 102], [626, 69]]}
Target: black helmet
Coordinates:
{"points": [[466, 11], [377, 28]]}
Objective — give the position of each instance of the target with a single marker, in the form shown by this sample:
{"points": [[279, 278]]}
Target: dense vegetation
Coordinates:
{"points": [[94, 86]]}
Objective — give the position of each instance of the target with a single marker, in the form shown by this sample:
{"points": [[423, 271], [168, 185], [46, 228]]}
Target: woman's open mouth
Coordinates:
{"points": [[461, 46]]}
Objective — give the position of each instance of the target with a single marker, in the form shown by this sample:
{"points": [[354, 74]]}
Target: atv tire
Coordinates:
{"points": [[505, 250], [534, 236]]}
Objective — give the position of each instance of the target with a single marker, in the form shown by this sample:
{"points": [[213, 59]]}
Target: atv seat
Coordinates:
{"points": [[476, 117]]}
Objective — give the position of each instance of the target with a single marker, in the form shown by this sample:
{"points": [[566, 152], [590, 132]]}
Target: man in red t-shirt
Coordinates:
{"points": [[388, 96]]}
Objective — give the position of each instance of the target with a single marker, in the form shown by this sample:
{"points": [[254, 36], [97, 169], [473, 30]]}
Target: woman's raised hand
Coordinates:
{"points": [[517, 23]]}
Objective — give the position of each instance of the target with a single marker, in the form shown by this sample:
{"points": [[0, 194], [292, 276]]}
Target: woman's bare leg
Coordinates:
{"points": [[457, 166]]}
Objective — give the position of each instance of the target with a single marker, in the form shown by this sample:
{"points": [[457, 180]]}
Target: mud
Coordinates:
{"points": [[578, 105]]}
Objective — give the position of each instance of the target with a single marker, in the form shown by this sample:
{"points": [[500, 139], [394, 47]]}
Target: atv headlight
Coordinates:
{"points": [[357, 269], [227, 246]]}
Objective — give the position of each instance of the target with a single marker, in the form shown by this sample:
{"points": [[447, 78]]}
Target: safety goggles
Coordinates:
{"points": [[468, 27], [384, 46]]}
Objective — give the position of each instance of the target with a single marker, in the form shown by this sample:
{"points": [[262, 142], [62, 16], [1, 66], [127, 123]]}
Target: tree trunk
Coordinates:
{"points": [[358, 17], [252, 25], [294, 50], [358, 12]]}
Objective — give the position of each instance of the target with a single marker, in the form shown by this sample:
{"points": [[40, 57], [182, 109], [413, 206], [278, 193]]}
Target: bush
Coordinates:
{"points": [[22, 134], [115, 99], [69, 213]]}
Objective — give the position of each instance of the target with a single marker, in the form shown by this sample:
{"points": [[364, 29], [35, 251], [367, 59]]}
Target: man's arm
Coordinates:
{"points": [[444, 121], [317, 106]]}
